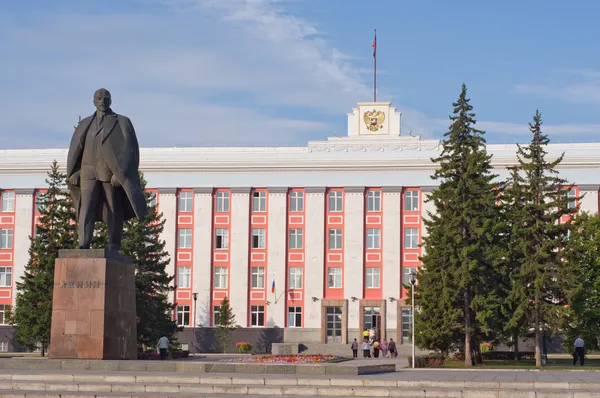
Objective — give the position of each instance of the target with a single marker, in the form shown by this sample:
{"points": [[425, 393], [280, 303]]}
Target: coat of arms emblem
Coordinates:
{"points": [[374, 120]]}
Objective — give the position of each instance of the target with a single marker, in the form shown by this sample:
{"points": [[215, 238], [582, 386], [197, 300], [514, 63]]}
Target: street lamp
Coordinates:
{"points": [[413, 281], [194, 325]]}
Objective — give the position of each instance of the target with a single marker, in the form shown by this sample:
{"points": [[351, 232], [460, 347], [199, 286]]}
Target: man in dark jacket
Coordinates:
{"points": [[103, 173]]}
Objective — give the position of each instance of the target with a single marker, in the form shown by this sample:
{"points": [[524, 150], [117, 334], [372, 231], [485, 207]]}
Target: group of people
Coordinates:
{"points": [[371, 344]]}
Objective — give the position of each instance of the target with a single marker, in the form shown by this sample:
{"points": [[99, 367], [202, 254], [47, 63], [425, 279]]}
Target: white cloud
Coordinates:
{"points": [[583, 86], [522, 130]]}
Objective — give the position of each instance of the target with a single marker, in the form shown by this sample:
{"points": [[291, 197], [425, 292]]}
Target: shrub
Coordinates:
{"points": [[485, 347], [506, 355], [458, 356], [243, 346], [428, 361]]}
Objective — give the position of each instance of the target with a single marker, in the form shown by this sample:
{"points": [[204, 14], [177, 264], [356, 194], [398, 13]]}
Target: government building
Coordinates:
{"points": [[311, 244]]}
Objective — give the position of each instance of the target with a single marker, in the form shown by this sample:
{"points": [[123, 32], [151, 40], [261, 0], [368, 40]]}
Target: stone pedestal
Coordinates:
{"points": [[93, 306]]}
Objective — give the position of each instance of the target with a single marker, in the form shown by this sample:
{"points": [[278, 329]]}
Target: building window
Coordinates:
{"points": [[571, 195], [39, 201], [152, 199], [221, 238], [8, 201], [411, 201], [185, 201], [335, 201], [6, 238], [3, 346], [373, 238], [294, 317], [296, 238], [295, 278], [258, 238], [258, 277], [373, 200], [411, 238], [183, 315], [406, 324], [4, 311], [296, 201], [222, 202], [220, 277], [334, 277], [372, 278], [216, 312], [259, 201], [258, 315], [183, 277], [335, 238], [407, 274], [185, 238]]}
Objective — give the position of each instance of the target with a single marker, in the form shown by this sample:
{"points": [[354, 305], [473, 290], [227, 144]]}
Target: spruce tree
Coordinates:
{"points": [[581, 317], [55, 230], [224, 325], [141, 241], [457, 290], [538, 284]]}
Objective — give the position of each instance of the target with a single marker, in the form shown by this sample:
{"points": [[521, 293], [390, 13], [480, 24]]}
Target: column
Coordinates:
{"points": [[201, 284], [239, 241], [315, 261], [354, 243], [276, 255], [391, 253], [167, 205], [24, 205], [589, 202]]}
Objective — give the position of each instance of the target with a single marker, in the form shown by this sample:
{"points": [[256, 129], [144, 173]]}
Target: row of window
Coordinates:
{"points": [[296, 201], [295, 277], [295, 241], [257, 316]]}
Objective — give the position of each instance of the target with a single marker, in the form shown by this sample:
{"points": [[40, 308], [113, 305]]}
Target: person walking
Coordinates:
{"points": [[578, 351], [355, 349], [384, 348], [163, 347], [366, 347], [392, 348]]}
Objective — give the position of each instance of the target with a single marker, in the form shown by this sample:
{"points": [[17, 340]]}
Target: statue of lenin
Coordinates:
{"points": [[103, 173]]}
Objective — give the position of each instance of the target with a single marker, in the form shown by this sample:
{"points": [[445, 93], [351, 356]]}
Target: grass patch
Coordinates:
{"points": [[551, 364]]}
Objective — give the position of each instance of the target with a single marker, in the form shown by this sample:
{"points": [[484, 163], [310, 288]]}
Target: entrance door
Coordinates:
{"points": [[372, 320], [334, 325]]}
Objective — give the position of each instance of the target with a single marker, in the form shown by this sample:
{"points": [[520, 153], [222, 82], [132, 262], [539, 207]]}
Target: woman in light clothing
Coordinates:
{"points": [[384, 348], [366, 349]]}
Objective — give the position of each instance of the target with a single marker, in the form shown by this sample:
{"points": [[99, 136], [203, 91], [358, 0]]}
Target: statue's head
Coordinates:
{"points": [[102, 100]]}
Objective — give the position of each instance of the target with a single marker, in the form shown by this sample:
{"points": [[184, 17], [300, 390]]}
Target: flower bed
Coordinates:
{"points": [[287, 359]]}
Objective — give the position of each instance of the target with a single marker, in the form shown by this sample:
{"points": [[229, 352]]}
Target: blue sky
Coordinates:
{"points": [[282, 72]]}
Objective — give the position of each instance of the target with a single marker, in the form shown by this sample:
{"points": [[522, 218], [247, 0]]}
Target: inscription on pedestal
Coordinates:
{"points": [[80, 284]]}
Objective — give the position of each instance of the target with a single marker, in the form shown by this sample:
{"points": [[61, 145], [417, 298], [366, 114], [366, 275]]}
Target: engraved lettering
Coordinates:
{"points": [[80, 284]]}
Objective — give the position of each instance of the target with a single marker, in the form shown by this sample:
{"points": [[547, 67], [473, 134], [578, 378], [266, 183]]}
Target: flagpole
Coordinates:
{"points": [[375, 68]]}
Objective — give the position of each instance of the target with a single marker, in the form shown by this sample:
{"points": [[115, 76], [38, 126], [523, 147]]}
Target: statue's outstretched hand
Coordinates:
{"points": [[74, 179], [114, 182]]}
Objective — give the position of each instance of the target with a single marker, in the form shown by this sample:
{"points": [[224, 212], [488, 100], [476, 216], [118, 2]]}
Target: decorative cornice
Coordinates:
{"points": [[396, 189], [240, 190], [372, 147], [315, 189], [354, 189], [589, 187], [204, 190], [428, 188], [167, 191], [277, 189], [24, 191]]}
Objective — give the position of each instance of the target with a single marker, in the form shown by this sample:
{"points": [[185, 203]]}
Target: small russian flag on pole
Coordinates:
{"points": [[273, 287]]}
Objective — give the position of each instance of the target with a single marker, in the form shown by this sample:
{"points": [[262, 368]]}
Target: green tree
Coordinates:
{"points": [[457, 290], [141, 241], [55, 230], [224, 325], [538, 285], [583, 255]]}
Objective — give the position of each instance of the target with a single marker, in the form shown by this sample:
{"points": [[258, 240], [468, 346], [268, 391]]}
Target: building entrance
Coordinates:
{"points": [[372, 320], [334, 325]]}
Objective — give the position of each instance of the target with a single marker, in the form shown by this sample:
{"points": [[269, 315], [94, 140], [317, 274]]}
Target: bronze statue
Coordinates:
{"points": [[103, 173]]}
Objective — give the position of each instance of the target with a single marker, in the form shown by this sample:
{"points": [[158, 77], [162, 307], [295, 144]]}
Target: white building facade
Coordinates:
{"points": [[317, 241]]}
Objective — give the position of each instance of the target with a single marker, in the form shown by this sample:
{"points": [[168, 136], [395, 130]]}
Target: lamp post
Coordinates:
{"points": [[413, 281], [194, 325]]}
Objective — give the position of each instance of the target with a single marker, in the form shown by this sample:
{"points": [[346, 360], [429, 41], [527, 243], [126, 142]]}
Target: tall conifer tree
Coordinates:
{"points": [[538, 284], [55, 230], [457, 289]]}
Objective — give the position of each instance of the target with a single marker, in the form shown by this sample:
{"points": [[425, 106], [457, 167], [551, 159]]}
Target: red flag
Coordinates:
{"points": [[375, 45]]}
